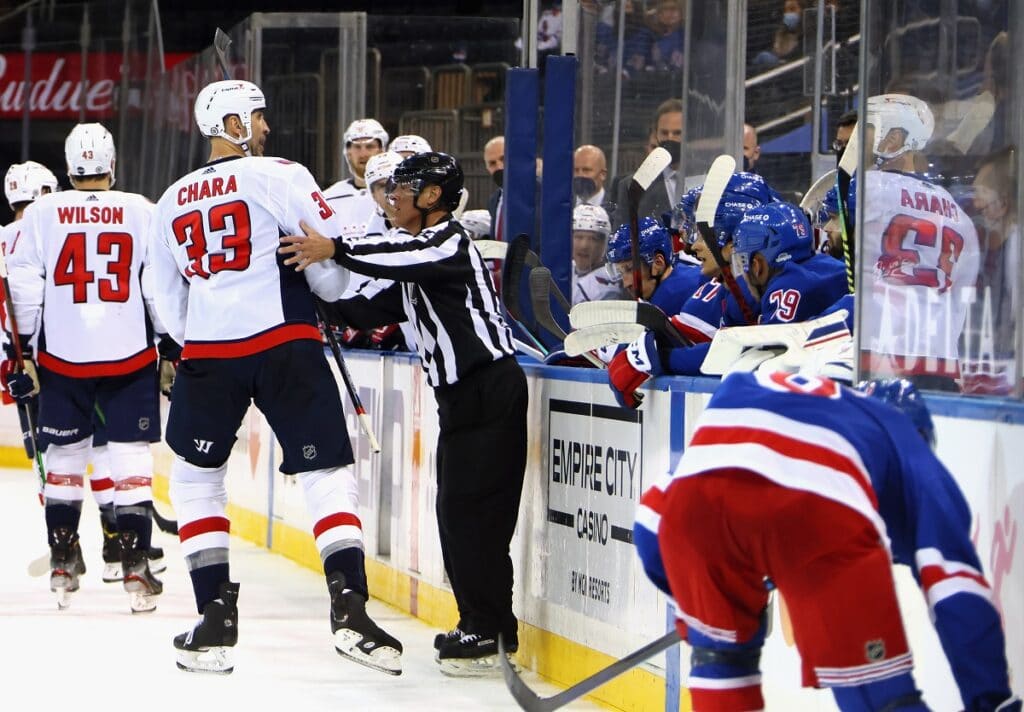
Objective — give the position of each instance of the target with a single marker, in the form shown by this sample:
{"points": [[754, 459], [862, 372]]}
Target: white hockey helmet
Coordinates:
{"points": [[476, 222], [25, 182], [410, 143], [887, 112], [89, 150], [218, 100], [591, 218], [366, 128], [381, 166]]}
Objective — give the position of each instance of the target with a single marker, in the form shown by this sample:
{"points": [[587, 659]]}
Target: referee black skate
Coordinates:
{"points": [[444, 289]]}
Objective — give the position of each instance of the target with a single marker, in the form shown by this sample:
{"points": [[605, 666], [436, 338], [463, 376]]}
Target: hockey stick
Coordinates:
{"points": [[531, 702], [19, 357], [591, 338], [512, 274], [540, 296], [847, 166], [618, 311], [221, 43], [350, 386], [816, 193], [491, 249], [656, 162], [714, 185]]}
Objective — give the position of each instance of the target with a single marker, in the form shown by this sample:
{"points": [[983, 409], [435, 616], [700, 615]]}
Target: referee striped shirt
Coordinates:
{"points": [[447, 295]]}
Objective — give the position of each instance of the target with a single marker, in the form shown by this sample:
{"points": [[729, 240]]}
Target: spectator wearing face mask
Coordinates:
{"points": [[659, 198], [590, 171], [787, 42]]}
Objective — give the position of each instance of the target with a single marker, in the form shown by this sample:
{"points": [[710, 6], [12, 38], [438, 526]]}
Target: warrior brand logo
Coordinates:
{"points": [[143, 423], [309, 452], [874, 650], [203, 446]]}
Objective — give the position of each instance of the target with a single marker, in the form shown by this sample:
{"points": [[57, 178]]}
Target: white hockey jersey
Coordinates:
{"points": [[355, 207], [78, 264], [921, 262], [222, 289], [595, 285]]}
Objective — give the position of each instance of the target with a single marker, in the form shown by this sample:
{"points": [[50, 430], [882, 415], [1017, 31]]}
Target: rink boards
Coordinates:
{"points": [[580, 591]]}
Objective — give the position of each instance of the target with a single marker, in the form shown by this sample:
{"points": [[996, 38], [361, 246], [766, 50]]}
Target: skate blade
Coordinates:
{"points": [[218, 660], [112, 573], [385, 658], [486, 666], [142, 602]]}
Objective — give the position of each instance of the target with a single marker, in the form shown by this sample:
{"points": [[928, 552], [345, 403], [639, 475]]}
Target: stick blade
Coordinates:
{"points": [[491, 249], [610, 311], [816, 193], [540, 298], [851, 155], [595, 337], [221, 41], [714, 185], [512, 273], [656, 162], [523, 695]]}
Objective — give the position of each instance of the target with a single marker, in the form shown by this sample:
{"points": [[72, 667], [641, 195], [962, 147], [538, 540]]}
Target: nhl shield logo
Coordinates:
{"points": [[309, 452], [874, 650], [143, 423]]}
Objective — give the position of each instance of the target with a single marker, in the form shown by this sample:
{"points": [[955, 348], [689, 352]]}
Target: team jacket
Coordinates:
{"points": [[815, 435], [446, 294], [79, 267], [222, 289]]}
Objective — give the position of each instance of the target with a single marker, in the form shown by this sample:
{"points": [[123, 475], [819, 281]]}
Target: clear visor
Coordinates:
{"points": [[409, 186]]}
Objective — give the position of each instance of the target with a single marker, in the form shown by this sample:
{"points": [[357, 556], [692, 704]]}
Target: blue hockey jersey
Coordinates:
{"points": [[864, 454]]}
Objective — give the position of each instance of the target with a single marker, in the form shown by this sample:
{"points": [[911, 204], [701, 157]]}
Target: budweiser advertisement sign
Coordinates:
{"points": [[58, 90]]}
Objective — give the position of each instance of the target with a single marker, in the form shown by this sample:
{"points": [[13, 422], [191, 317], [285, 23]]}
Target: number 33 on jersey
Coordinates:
{"points": [[81, 258]]}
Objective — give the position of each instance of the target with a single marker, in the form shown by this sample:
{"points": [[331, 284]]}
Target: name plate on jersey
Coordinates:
{"points": [[594, 472]]}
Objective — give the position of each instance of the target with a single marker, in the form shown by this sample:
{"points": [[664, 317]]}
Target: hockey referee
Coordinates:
{"points": [[444, 289]]}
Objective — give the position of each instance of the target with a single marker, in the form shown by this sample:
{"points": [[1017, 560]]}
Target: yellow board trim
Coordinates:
{"points": [[563, 661]]}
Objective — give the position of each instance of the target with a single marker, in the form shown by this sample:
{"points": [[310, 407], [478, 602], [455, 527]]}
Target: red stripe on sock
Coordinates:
{"points": [[104, 483], [338, 519], [129, 483], [740, 698], [52, 478], [203, 526]]}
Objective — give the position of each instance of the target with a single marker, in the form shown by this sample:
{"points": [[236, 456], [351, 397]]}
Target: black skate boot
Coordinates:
{"points": [[156, 559], [473, 655], [443, 638], [139, 581], [208, 647], [66, 564], [111, 555], [356, 637]]}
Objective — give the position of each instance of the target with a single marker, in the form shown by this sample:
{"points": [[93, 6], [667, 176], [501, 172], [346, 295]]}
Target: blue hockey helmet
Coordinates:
{"points": [[829, 206], [743, 192], [683, 216], [654, 238], [904, 396], [780, 232]]}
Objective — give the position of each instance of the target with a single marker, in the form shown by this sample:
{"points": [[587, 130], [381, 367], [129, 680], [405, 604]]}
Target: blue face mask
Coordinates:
{"points": [[791, 20]]}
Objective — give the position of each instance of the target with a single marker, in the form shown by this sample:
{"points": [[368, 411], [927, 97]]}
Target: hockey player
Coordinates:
{"points": [[590, 228], [409, 145], [819, 488], [80, 269], [248, 331], [920, 253], [466, 350], [350, 198], [661, 284]]}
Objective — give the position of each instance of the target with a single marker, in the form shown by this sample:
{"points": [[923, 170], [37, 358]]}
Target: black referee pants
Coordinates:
{"points": [[481, 462]]}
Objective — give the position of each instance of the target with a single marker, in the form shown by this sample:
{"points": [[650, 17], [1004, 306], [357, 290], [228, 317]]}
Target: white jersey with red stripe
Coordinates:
{"points": [[79, 266], [222, 289], [355, 207], [921, 255], [813, 435]]}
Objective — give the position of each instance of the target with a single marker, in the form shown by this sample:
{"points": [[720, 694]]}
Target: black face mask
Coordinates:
{"points": [[583, 187], [674, 148], [499, 177]]}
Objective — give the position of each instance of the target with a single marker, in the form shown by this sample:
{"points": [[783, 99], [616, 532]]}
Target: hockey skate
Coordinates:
{"points": [[66, 565], [356, 636], [209, 646], [472, 655], [140, 583], [442, 639]]}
